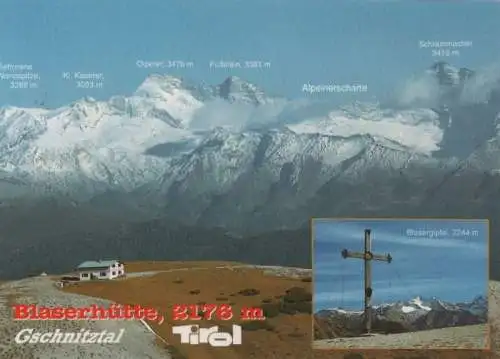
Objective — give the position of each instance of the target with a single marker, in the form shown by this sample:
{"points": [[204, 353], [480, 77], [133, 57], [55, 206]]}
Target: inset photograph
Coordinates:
{"points": [[400, 284]]}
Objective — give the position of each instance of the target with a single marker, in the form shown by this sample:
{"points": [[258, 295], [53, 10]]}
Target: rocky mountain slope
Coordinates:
{"points": [[172, 143], [411, 316], [465, 337], [232, 157]]}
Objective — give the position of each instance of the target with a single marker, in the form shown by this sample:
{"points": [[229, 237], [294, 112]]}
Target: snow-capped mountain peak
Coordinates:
{"points": [[169, 96], [421, 306], [156, 85], [418, 303], [449, 75], [131, 141], [410, 316], [415, 129], [86, 107], [234, 89]]}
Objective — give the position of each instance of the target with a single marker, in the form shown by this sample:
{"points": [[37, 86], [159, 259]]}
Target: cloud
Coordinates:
{"points": [[399, 235], [237, 116], [244, 116], [221, 113], [420, 90], [424, 91], [478, 88]]}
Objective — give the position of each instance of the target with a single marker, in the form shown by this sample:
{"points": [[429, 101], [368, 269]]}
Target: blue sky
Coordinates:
{"points": [[318, 41], [451, 265]]}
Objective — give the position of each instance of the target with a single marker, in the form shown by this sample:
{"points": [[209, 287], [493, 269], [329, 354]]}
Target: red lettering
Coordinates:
{"points": [[179, 312], [209, 311], [128, 312], [151, 314], [82, 313], [224, 312], [70, 313], [97, 313], [113, 312], [139, 312], [57, 313], [33, 312], [252, 313], [21, 311], [194, 311], [44, 313]]}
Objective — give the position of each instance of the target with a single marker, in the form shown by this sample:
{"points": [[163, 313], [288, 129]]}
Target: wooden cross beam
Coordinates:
{"points": [[367, 256]]}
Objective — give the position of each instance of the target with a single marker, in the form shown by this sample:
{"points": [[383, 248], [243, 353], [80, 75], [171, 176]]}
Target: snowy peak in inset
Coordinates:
{"points": [[405, 316], [418, 303], [478, 306], [479, 303]]}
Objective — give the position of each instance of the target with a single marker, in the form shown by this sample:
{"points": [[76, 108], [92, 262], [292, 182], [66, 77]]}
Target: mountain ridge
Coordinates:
{"points": [[403, 316], [159, 113], [266, 167]]}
